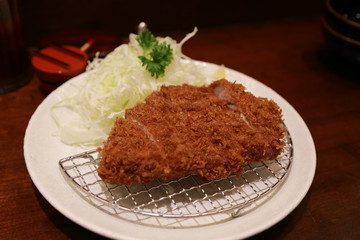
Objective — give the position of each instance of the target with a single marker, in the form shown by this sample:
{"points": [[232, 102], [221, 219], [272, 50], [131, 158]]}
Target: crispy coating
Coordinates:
{"points": [[212, 131]]}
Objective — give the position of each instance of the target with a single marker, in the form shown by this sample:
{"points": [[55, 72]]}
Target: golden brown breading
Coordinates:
{"points": [[210, 131]]}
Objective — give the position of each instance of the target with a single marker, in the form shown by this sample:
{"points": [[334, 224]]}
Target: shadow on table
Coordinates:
{"points": [[346, 69]]}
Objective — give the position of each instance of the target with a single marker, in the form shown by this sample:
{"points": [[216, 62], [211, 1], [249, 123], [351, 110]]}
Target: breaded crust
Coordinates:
{"points": [[212, 131]]}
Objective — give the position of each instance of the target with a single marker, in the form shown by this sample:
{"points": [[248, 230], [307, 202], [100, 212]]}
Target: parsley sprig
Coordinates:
{"points": [[156, 56]]}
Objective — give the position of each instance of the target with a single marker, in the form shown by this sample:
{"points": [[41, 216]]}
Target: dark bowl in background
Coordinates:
{"points": [[341, 26], [341, 45], [344, 17]]}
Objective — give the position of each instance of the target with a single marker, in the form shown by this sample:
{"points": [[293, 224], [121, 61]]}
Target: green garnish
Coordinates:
{"points": [[156, 56]]}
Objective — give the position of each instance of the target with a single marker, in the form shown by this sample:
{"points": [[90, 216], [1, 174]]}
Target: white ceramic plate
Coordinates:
{"points": [[42, 152]]}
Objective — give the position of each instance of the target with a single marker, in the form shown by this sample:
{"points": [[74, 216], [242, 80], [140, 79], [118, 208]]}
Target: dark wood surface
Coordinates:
{"points": [[287, 55]]}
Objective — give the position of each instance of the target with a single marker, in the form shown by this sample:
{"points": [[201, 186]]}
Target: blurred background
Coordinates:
{"points": [[121, 17], [29, 26]]}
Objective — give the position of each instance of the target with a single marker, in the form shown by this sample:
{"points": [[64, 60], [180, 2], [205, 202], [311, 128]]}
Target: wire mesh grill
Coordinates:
{"points": [[190, 196]]}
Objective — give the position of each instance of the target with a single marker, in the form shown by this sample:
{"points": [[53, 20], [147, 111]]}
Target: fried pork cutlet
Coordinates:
{"points": [[212, 131]]}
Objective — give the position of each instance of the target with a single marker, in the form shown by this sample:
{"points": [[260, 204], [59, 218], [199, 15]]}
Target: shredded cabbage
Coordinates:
{"points": [[114, 84]]}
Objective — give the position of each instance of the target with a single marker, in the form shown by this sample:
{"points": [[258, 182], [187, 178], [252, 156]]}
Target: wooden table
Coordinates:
{"points": [[287, 55]]}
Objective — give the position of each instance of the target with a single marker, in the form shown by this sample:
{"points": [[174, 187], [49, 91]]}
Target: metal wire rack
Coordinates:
{"points": [[190, 196]]}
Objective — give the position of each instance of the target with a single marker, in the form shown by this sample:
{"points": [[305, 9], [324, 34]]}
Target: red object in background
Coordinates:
{"points": [[104, 42], [58, 63], [64, 57]]}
